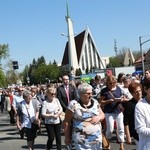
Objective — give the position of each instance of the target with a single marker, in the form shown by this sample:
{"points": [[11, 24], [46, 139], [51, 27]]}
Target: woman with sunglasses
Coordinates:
{"points": [[111, 98], [51, 112]]}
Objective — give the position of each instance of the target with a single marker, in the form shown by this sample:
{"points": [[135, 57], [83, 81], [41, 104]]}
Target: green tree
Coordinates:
{"points": [[25, 75], [11, 77], [114, 62], [41, 60], [55, 63], [4, 51], [2, 79], [78, 72]]}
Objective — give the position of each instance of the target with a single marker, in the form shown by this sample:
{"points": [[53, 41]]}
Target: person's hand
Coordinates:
{"points": [[111, 100], [56, 115], [124, 99], [67, 141], [36, 121], [95, 119], [19, 125], [128, 140]]}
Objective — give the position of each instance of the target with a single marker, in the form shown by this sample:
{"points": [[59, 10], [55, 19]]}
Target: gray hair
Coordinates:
{"points": [[83, 88], [26, 94]]}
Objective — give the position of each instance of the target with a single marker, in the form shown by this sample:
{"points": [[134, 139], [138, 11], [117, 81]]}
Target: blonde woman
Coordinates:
{"points": [[51, 112], [111, 99]]}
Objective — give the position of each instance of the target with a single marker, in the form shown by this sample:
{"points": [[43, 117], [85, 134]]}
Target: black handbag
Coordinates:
{"points": [[34, 126]]}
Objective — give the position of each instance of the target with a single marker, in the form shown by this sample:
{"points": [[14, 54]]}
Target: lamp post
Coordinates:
{"points": [[48, 80], [141, 50]]}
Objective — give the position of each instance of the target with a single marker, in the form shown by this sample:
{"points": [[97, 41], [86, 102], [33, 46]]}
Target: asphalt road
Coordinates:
{"points": [[10, 140]]}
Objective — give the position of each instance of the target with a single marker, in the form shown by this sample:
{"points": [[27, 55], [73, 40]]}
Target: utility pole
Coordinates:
{"points": [[141, 50], [115, 47]]}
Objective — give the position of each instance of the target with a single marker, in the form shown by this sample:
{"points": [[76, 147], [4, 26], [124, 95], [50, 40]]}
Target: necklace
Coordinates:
{"points": [[86, 105]]}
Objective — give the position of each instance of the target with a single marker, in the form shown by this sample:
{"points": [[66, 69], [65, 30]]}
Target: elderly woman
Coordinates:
{"points": [[51, 112], [82, 124], [142, 121], [136, 91], [111, 98], [27, 114]]}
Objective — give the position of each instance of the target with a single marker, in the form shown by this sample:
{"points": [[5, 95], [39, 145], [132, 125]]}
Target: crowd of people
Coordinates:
{"points": [[113, 104]]}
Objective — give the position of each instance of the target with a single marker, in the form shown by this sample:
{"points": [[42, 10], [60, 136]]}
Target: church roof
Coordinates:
{"points": [[78, 42]]}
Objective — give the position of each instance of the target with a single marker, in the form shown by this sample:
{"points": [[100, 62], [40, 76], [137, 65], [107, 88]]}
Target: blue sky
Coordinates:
{"points": [[33, 28]]}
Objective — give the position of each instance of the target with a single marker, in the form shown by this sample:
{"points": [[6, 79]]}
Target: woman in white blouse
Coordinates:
{"points": [[51, 112], [27, 114], [142, 118]]}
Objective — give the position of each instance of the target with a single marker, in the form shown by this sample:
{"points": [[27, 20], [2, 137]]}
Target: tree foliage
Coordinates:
{"points": [[2, 79], [4, 51], [118, 61], [78, 72], [39, 72]]}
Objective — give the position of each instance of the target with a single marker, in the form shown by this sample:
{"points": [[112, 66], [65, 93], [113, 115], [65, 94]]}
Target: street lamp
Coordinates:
{"points": [[47, 79], [141, 50]]}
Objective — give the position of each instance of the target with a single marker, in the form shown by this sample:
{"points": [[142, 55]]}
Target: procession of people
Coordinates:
{"points": [[112, 105]]}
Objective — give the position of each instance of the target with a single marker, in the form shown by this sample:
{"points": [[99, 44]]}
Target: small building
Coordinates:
{"points": [[146, 62]]}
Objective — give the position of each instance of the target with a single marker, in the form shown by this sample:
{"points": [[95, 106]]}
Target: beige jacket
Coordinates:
{"points": [[7, 104]]}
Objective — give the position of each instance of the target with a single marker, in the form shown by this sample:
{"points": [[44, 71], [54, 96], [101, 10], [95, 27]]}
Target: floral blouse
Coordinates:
{"points": [[83, 131]]}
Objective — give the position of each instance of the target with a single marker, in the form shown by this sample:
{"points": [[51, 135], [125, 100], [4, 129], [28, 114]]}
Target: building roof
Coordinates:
{"points": [[139, 60], [78, 42]]}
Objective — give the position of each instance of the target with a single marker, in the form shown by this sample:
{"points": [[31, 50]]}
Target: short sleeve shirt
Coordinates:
{"points": [[83, 130], [117, 93]]}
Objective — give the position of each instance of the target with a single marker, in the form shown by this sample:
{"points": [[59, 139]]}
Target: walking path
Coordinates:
{"points": [[10, 140]]}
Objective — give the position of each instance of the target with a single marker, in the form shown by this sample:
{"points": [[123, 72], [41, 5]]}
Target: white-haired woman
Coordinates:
{"points": [[82, 124], [27, 114]]}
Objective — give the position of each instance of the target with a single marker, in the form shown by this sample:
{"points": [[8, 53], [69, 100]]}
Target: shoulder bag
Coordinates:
{"points": [[62, 115], [117, 104], [34, 126]]}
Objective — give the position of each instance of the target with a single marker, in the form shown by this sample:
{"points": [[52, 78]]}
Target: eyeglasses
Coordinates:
{"points": [[20, 90], [89, 93]]}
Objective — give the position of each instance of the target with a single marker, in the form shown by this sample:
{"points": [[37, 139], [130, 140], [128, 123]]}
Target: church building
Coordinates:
{"points": [[80, 51]]}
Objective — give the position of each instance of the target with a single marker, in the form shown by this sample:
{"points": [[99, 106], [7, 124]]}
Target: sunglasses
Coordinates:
{"points": [[53, 94], [20, 90]]}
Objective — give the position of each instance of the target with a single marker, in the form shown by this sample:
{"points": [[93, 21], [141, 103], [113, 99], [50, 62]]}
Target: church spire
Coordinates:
{"points": [[72, 53], [67, 6]]}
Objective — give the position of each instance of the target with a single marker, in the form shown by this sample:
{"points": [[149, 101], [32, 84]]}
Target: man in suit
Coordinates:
{"points": [[66, 92]]}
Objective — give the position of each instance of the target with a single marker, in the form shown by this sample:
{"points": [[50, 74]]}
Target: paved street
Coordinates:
{"points": [[9, 138]]}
